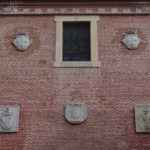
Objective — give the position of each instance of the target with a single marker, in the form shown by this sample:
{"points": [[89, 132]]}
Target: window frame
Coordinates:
{"points": [[93, 39]]}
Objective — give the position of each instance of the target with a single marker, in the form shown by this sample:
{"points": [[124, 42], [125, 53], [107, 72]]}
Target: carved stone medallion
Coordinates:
{"points": [[22, 42], [131, 40], [142, 118], [76, 113], [9, 118]]}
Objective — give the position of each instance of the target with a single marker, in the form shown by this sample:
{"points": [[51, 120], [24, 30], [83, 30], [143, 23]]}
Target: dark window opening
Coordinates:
{"points": [[76, 41]]}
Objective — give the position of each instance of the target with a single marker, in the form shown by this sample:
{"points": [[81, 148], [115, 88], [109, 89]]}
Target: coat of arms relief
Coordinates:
{"points": [[9, 118]]}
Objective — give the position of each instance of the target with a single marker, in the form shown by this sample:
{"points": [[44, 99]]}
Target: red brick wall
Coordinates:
{"points": [[111, 91]]}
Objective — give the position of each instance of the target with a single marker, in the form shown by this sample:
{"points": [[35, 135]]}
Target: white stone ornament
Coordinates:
{"points": [[22, 42], [142, 118], [9, 118], [131, 40], [76, 113]]}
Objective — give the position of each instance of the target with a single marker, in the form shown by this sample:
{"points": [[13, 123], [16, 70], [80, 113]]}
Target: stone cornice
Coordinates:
{"points": [[140, 8], [72, 3]]}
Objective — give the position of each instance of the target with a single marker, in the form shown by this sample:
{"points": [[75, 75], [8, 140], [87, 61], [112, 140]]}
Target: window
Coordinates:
{"points": [[76, 41]]}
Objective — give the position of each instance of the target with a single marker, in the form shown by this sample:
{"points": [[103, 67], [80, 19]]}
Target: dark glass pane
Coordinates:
{"points": [[76, 41]]}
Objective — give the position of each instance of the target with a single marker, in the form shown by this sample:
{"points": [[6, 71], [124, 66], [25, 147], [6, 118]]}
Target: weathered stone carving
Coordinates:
{"points": [[9, 118], [22, 42], [76, 113], [142, 118], [131, 40]]}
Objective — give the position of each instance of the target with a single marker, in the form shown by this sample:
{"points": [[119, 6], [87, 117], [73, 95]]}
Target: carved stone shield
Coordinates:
{"points": [[142, 118], [9, 118], [76, 113], [22, 42], [131, 41]]}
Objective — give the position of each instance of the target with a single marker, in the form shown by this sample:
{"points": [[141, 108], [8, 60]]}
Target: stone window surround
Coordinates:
{"points": [[59, 42]]}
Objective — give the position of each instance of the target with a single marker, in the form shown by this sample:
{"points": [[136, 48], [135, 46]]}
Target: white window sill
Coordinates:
{"points": [[77, 64]]}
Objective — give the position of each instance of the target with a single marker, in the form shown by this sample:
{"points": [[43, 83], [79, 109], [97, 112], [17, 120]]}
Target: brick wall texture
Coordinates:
{"points": [[110, 91]]}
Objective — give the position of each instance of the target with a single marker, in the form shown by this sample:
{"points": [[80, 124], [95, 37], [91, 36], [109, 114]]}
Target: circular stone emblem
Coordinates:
{"points": [[22, 42], [76, 113], [131, 41]]}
